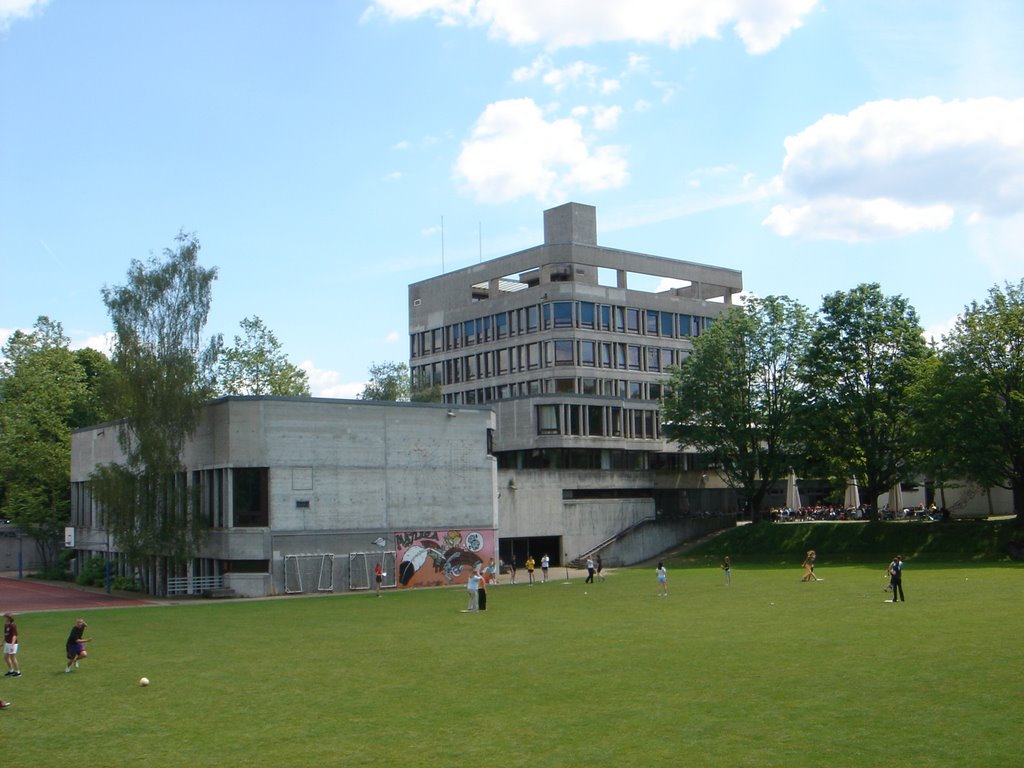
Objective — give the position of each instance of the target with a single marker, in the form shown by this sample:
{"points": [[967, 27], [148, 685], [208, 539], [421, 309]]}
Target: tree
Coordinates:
{"points": [[163, 379], [256, 365], [41, 385], [864, 351], [735, 396], [976, 393], [94, 408], [388, 381]]}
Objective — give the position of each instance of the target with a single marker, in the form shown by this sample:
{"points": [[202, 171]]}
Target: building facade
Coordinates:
{"points": [[571, 344], [309, 494]]}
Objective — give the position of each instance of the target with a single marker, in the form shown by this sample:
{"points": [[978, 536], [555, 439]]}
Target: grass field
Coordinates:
{"points": [[767, 672]]}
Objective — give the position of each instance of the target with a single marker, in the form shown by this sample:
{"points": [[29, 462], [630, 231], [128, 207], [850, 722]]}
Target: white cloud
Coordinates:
{"points": [[606, 118], [760, 24], [853, 220], [393, 337], [328, 383], [576, 74], [996, 243], [393, 176], [610, 85], [514, 151], [896, 167], [10, 10], [103, 342]]}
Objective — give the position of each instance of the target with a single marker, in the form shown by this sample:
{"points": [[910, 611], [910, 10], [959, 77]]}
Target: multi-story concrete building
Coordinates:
{"points": [[309, 494], [571, 344]]}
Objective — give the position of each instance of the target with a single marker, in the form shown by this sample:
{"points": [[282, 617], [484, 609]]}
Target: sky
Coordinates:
{"points": [[329, 153]]}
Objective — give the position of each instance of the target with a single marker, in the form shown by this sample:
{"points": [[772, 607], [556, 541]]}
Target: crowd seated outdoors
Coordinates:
{"points": [[837, 512]]}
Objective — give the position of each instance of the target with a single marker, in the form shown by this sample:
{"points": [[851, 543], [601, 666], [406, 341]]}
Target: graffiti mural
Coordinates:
{"points": [[435, 558]]}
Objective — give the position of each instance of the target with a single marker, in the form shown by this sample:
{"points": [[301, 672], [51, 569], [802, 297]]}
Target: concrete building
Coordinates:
{"points": [[304, 495], [570, 343]]}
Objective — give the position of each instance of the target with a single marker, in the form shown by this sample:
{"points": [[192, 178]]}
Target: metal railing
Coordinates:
{"points": [[193, 585]]}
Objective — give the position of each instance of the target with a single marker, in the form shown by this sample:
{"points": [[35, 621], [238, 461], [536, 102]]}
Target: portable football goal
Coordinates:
{"points": [[308, 573], [360, 569]]}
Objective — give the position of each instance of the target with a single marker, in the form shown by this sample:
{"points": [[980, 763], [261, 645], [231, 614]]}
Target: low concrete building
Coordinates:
{"points": [[310, 494]]}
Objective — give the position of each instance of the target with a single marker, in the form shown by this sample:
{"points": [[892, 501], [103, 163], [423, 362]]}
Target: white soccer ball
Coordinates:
{"points": [[143, 681]]}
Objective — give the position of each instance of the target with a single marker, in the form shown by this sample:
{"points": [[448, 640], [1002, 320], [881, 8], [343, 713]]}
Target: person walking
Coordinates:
{"points": [[75, 645], [600, 569], [809, 574], [512, 570], [727, 567], [11, 646], [662, 580], [590, 571], [896, 574]]}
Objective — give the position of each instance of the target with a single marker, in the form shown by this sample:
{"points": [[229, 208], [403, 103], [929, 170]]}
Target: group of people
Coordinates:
{"points": [[74, 648]]}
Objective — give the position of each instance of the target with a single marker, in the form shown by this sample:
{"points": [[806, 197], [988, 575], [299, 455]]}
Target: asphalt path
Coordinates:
{"points": [[31, 595]]}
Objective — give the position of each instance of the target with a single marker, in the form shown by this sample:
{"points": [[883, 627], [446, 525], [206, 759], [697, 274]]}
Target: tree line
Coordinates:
{"points": [[855, 391]]}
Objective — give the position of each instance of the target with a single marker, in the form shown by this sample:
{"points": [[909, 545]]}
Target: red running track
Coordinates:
{"points": [[27, 595]]}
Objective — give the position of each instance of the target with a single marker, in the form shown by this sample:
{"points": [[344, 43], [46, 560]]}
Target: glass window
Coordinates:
{"points": [[563, 352], [633, 354], [484, 328], [606, 317], [653, 359], [469, 330], [654, 391], [606, 354], [588, 386], [616, 421], [437, 340], [501, 325], [652, 323], [684, 326], [533, 355], [632, 320], [575, 419], [565, 385], [456, 335], [620, 355], [502, 361], [666, 324], [595, 420], [547, 315], [620, 319], [532, 318], [547, 419], [586, 314], [250, 496], [587, 353], [635, 390], [563, 314]]}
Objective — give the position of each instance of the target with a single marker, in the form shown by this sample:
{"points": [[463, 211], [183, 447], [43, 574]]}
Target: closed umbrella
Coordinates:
{"points": [[896, 499], [852, 498], [792, 492]]}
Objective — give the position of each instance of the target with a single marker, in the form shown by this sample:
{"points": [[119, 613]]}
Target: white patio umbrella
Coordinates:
{"points": [[852, 498], [792, 492], [896, 499]]}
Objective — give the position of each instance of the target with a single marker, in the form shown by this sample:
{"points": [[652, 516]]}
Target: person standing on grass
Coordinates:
{"points": [[662, 580], [512, 570], [809, 567], [896, 571], [473, 589], [378, 575], [727, 567], [75, 645], [545, 563], [600, 569], [11, 646], [530, 564], [491, 573], [590, 571]]}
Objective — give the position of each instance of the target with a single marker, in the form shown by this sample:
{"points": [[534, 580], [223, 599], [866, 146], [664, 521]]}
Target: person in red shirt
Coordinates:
{"points": [[11, 646]]}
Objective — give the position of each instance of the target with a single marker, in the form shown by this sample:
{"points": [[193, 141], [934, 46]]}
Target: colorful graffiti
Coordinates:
{"points": [[434, 558]]}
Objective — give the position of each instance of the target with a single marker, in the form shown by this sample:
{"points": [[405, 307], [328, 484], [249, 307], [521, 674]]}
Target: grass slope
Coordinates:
{"points": [[784, 544], [767, 672]]}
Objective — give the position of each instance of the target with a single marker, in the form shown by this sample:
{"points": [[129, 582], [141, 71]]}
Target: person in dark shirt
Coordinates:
{"points": [[76, 644], [11, 646]]}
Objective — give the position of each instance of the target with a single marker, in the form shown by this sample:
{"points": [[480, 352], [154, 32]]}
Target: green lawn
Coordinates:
{"points": [[768, 672]]}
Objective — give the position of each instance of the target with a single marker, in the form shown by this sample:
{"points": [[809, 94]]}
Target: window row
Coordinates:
{"points": [[537, 355], [597, 421], [553, 315], [618, 388]]}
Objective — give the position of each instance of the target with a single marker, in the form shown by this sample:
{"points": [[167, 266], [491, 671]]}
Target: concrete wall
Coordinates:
{"points": [[655, 537], [341, 473]]}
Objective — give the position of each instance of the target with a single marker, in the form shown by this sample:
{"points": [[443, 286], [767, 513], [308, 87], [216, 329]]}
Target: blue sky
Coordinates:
{"points": [[315, 148]]}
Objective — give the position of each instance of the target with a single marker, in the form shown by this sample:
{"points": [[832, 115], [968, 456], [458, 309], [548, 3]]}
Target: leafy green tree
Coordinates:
{"points": [[975, 396], [734, 397], [41, 386], [388, 381], [94, 408], [865, 349], [164, 377], [255, 365]]}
